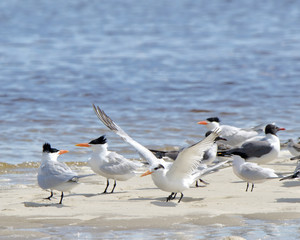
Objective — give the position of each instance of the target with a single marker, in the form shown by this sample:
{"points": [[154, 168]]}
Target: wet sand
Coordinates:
{"points": [[137, 203]]}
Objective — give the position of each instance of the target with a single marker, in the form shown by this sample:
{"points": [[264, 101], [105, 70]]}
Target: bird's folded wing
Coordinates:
{"points": [[53, 174]]}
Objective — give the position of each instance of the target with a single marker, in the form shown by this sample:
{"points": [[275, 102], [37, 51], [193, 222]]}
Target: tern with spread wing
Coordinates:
{"points": [[170, 177], [110, 165]]}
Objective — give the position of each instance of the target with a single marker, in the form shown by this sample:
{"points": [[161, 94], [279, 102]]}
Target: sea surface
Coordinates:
{"points": [[155, 67]]}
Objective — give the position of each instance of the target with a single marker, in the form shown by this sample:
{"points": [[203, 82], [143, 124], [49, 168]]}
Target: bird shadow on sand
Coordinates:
{"points": [[291, 183], [36, 205], [288, 200]]}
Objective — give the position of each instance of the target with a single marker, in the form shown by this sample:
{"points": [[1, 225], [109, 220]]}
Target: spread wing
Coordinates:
{"points": [[189, 158], [52, 174], [143, 151]]}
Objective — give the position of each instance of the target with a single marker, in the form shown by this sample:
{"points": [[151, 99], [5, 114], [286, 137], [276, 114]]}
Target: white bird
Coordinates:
{"points": [[110, 165], [235, 136], [170, 177], [251, 172], [55, 175], [296, 173], [294, 148], [261, 152], [208, 157]]}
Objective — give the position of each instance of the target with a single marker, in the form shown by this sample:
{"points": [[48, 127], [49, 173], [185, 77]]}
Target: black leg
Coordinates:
{"points": [[51, 195], [247, 186], [61, 197], [203, 181], [180, 197], [107, 184], [174, 196], [115, 184], [170, 197], [252, 187], [196, 185]]}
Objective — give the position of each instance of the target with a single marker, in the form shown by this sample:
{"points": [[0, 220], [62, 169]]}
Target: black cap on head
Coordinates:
{"points": [[213, 119], [100, 140], [47, 148], [271, 128]]}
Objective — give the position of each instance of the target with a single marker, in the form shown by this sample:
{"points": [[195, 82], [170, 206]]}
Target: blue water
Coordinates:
{"points": [[156, 67]]}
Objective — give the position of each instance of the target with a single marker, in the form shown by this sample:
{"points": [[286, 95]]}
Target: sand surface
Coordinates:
{"points": [[137, 203]]}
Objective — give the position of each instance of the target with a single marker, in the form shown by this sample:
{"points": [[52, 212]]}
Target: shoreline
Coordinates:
{"points": [[137, 203]]}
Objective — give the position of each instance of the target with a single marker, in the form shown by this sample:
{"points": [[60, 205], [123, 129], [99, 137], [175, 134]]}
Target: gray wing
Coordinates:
{"points": [[119, 165], [52, 174], [252, 149]]}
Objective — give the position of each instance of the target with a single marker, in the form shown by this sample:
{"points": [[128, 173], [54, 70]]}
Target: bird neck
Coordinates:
{"points": [[46, 157]]}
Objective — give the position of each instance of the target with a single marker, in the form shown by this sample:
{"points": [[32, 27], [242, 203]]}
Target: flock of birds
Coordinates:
{"points": [[173, 171]]}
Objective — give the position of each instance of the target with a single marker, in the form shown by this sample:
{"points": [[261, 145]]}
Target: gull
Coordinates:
{"points": [[234, 136], [251, 172], [294, 148], [110, 165], [56, 175], [170, 177], [261, 151]]}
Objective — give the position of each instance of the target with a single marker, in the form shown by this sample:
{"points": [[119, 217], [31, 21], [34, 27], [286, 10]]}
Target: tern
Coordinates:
{"points": [[235, 136], [262, 151], [170, 177], [56, 175], [294, 148], [208, 157], [251, 172], [110, 165]]}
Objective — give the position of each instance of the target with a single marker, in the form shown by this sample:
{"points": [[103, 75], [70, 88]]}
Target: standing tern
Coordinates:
{"points": [[294, 148], [235, 136], [55, 175], [170, 177], [251, 172], [261, 152], [110, 165]]}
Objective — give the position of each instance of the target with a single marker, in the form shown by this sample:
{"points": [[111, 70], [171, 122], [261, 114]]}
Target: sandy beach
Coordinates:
{"points": [[137, 203]]}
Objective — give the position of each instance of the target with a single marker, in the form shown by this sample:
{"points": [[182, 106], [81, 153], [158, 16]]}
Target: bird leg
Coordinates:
{"points": [[171, 197], [196, 185], [247, 186], [252, 187], [51, 195], [107, 184], [61, 197], [180, 197], [115, 184]]}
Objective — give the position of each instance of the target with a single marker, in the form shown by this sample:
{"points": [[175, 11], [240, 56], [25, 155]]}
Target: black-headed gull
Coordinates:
{"points": [[262, 151]]}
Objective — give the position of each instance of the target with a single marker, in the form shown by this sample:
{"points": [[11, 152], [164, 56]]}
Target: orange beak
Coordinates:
{"points": [[62, 152], [202, 122], [281, 129], [146, 173], [83, 145]]}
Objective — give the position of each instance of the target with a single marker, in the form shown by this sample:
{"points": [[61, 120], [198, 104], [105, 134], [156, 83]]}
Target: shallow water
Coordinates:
{"points": [[155, 67]]}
